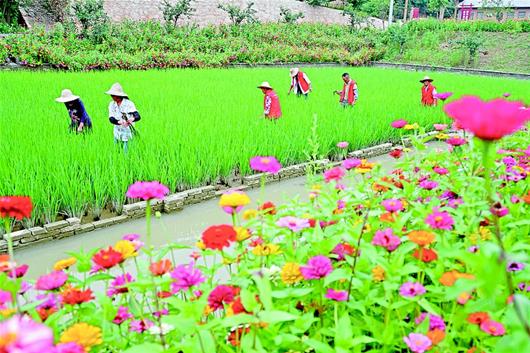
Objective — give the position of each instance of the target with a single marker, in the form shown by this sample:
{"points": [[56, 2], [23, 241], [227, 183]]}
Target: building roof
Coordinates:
{"points": [[494, 3]]}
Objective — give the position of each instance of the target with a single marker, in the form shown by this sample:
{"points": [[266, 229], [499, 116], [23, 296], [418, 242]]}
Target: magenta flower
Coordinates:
{"points": [[417, 342], [506, 95], [122, 315], [5, 298], [386, 239], [435, 322], [186, 276], [392, 205], [351, 163], [24, 287], [440, 127], [220, 296], [69, 347], [443, 96], [440, 220], [20, 271], [265, 164], [428, 184], [399, 124], [293, 223], [342, 249], [343, 144], [337, 295], [334, 174], [147, 190], [135, 240], [440, 170], [515, 266], [119, 285], [499, 210], [140, 326], [456, 141], [489, 120], [411, 289], [49, 301], [493, 328], [20, 334], [317, 267], [51, 281]]}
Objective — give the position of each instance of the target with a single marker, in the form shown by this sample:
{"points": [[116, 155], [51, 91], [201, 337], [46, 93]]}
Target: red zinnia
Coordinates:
{"points": [[478, 318], [427, 255], [237, 306], [74, 296], [219, 296], [161, 267], [18, 207], [396, 153], [218, 237], [107, 258], [268, 208]]}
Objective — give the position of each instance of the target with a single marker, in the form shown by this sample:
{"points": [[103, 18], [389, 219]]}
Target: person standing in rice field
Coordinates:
{"points": [[123, 115], [271, 102], [79, 120], [349, 94], [428, 92], [300, 83]]}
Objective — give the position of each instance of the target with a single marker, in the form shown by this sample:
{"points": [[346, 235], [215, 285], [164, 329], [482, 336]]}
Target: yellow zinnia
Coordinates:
{"points": [[442, 136], [200, 245], [364, 167], [378, 274], [126, 248], [234, 199], [266, 250], [411, 126], [291, 273], [64, 264], [83, 334], [242, 233], [250, 214]]}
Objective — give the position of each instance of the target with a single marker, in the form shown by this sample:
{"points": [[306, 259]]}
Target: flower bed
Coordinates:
{"points": [[373, 262]]}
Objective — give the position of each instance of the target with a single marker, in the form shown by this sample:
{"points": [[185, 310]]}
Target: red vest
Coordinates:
{"points": [[275, 111], [351, 95], [427, 97], [304, 85]]}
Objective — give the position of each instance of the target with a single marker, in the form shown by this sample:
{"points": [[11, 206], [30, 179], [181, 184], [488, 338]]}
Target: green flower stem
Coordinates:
{"points": [[148, 230], [356, 252], [11, 262]]}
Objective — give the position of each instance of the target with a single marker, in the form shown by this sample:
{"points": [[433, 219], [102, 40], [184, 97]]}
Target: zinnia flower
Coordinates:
{"points": [[337, 295], [443, 96], [378, 274], [161, 267], [64, 264], [440, 220], [51, 281], [135, 240], [75, 296], [119, 285], [233, 201], [396, 153], [242, 233], [268, 208], [140, 326], [411, 289], [364, 167], [428, 184], [106, 259], [440, 170], [386, 239], [334, 174], [265, 164], [435, 322], [126, 248], [421, 237], [427, 255], [266, 249], [417, 342], [19, 271], [343, 144], [392, 205], [18, 207], [515, 266], [489, 120], [493, 328], [122, 315], [293, 223], [398, 124], [218, 237], [290, 273], [84, 334], [478, 318], [499, 210], [317, 267], [440, 127], [20, 334], [343, 249], [351, 163], [185, 277], [69, 347], [147, 190], [219, 296], [456, 141]]}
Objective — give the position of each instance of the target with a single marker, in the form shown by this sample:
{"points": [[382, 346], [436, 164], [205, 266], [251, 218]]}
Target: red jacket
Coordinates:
{"points": [[271, 105], [351, 93], [304, 84], [427, 95]]}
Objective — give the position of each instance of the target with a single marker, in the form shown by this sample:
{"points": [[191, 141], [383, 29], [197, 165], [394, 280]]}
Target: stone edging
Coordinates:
{"points": [[176, 202]]}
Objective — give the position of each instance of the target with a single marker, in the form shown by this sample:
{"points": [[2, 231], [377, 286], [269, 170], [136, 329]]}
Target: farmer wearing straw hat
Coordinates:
{"points": [[79, 119], [271, 102], [349, 94], [300, 83], [428, 92], [122, 114]]}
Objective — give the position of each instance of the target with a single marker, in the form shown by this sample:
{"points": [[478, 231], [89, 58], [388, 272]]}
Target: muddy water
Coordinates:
{"points": [[183, 227]]}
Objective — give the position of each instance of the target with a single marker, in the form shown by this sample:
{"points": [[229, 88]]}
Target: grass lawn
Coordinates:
{"points": [[197, 125]]}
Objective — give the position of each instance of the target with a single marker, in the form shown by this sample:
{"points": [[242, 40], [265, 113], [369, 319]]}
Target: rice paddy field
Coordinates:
{"points": [[198, 126]]}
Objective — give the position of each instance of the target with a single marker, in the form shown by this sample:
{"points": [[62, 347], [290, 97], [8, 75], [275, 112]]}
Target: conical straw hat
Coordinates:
{"points": [[427, 78], [66, 96], [265, 84], [116, 90]]}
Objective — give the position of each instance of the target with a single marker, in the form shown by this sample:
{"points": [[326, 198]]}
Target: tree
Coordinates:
{"points": [[238, 15], [497, 8], [318, 2], [59, 9], [290, 17], [440, 6], [10, 10], [355, 18], [376, 8], [173, 11], [398, 35], [473, 42], [91, 14]]}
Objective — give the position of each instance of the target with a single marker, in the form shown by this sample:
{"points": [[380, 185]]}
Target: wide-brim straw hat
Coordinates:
{"points": [[117, 90], [265, 84], [294, 71], [66, 96], [426, 78]]}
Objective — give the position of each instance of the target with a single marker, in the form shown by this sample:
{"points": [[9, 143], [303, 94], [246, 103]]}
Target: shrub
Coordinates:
{"points": [[172, 12], [238, 15], [93, 19], [288, 16]]}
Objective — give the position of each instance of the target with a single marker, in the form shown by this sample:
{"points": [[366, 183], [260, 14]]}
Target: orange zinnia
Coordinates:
{"points": [[364, 167], [436, 336], [448, 279], [421, 237], [161, 267], [387, 217], [478, 317], [526, 198]]}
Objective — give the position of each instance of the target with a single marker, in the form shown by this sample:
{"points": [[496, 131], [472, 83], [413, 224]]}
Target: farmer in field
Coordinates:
{"points": [[428, 92], [123, 115], [349, 94], [300, 83], [271, 102], [79, 119]]}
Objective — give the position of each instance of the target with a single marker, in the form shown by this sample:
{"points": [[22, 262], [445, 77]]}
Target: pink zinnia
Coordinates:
{"points": [[343, 144], [122, 315], [392, 205], [135, 240], [293, 223], [140, 325], [443, 96], [337, 295], [493, 328], [428, 184], [5, 298], [119, 285], [51, 281], [417, 342], [317, 267], [20, 271], [386, 239], [334, 174], [506, 95], [69, 347], [498, 210], [440, 127], [398, 124], [440, 220], [22, 334], [351, 163], [147, 190], [219, 296], [265, 164], [456, 141], [186, 276], [411, 289], [440, 170], [489, 120]]}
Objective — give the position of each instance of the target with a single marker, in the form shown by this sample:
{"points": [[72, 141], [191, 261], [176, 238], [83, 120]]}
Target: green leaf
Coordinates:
{"points": [[318, 346], [362, 340], [343, 332], [428, 306], [275, 316], [145, 347]]}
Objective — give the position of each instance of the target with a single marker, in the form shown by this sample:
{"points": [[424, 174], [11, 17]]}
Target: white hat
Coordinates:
{"points": [[265, 84], [294, 71], [116, 90], [427, 78], [66, 96]]}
